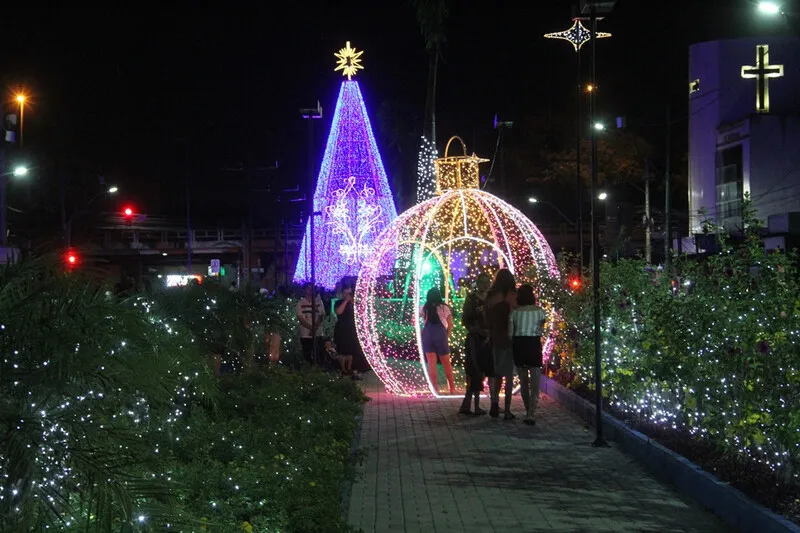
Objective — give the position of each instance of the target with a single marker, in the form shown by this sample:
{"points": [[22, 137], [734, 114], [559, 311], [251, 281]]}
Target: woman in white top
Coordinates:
{"points": [[525, 328], [435, 334]]}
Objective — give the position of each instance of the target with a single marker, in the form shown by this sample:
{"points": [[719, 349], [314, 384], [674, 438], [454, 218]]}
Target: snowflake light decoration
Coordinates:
{"points": [[354, 226]]}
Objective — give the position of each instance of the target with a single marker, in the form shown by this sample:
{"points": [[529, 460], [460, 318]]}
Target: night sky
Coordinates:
{"points": [[129, 94]]}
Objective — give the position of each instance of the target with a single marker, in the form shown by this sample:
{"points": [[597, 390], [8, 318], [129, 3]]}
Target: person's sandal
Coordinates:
{"points": [[479, 411], [509, 416]]}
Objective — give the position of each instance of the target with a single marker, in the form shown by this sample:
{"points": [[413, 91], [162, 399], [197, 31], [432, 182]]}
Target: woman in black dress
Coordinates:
{"points": [[344, 333]]}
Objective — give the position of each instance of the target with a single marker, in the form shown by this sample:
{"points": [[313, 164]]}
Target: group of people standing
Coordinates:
{"points": [[343, 351], [504, 330]]}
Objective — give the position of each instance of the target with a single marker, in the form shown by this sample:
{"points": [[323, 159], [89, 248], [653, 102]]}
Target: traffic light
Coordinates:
{"points": [[128, 212], [575, 283], [72, 259]]}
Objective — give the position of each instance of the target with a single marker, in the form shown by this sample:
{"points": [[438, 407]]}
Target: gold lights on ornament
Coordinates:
{"points": [[348, 61], [457, 171]]}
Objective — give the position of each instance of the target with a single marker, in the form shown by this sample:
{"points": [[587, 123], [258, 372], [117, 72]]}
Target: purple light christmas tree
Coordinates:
{"points": [[352, 194]]}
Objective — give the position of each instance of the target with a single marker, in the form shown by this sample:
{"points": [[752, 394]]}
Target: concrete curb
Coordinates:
{"points": [[725, 501]]}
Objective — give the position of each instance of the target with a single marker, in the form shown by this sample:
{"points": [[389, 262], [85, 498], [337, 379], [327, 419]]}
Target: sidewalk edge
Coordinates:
{"points": [[719, 497]]}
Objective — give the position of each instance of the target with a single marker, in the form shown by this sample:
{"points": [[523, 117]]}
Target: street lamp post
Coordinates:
{"points": [[111, 190], [19, 171], [312, 114], [595, 9], [578, 35], [533, 200]]}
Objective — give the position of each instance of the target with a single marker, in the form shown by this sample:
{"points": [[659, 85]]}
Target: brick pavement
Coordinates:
{"points": [[428, 469]]}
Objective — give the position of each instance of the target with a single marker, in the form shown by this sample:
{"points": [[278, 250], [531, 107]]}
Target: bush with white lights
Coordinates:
{"points": [[711, 348], [112, 419]]}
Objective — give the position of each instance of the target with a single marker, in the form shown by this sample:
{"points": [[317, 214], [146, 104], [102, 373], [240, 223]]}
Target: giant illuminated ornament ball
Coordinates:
{"points": [[442, 242]]}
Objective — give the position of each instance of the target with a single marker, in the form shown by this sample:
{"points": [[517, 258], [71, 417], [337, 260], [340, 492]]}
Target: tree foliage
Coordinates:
{"points": [[620, 159], [111, 419], [710, 347]]}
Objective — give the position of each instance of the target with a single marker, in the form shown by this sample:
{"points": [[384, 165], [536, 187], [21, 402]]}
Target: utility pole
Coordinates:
{"points": [[648, 247], [667, 222], [188, 208]]}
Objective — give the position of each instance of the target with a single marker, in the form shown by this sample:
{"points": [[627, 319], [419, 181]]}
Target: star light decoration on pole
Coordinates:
{"points": [[578, 35], [349, 61]]}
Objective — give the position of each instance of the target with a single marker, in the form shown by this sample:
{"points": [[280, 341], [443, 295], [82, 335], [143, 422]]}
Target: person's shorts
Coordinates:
{"points": [[434, 339]]}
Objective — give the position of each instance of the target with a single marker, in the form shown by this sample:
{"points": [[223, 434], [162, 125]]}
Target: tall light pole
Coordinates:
{"points": [[312, 114], [578, 35], [111, 190], [595, 9], [533, 200], [18, 172], [21, 101]]}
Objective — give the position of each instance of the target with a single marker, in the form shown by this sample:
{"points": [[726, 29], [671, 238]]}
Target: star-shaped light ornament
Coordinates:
{"points": [[349, 61], [578, 35]]}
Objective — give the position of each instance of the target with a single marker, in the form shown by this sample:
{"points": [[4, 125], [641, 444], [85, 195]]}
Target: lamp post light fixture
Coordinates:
{"points": [[534, 200], [20, 171], [769, 8], [112, 189], [596, 9], [602, 196], [20, 98], [599, 126]]}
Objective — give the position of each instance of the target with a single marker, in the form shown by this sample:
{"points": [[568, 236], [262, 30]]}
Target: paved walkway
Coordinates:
{"points": [[430, 470]]}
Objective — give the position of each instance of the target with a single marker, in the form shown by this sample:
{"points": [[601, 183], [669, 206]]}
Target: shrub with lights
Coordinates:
{"points": [[709, 348], [113, 421], [460, 233]]}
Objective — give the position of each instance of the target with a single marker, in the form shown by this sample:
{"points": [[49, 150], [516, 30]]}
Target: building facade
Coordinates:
{"points": [[744, 130]]}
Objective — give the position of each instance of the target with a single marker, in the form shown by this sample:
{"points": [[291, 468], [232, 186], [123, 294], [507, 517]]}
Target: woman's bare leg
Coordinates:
{"points": [[448, 372], [431, 357]]}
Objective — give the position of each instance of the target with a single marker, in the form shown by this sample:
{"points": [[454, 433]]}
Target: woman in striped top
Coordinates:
{"points": [[525, 326]]}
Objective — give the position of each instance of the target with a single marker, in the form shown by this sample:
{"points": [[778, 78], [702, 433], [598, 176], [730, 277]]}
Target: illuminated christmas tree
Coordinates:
{"points": [[352, 197]]}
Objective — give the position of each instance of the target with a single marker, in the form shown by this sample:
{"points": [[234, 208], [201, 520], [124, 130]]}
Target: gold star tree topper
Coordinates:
{"points": [[349, 61]]}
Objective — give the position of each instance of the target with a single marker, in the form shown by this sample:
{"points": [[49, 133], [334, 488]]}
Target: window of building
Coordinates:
{"points": [[729, 188]]}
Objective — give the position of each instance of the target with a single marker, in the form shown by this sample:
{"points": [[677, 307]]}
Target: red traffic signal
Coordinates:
{"points": [[72, 259], [128, 212], [575, 283]]}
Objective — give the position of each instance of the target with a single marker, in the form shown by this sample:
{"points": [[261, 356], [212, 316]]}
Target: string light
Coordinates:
{"points": [[711, 353], [461, 233], [352, 195], [426, 173]]}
